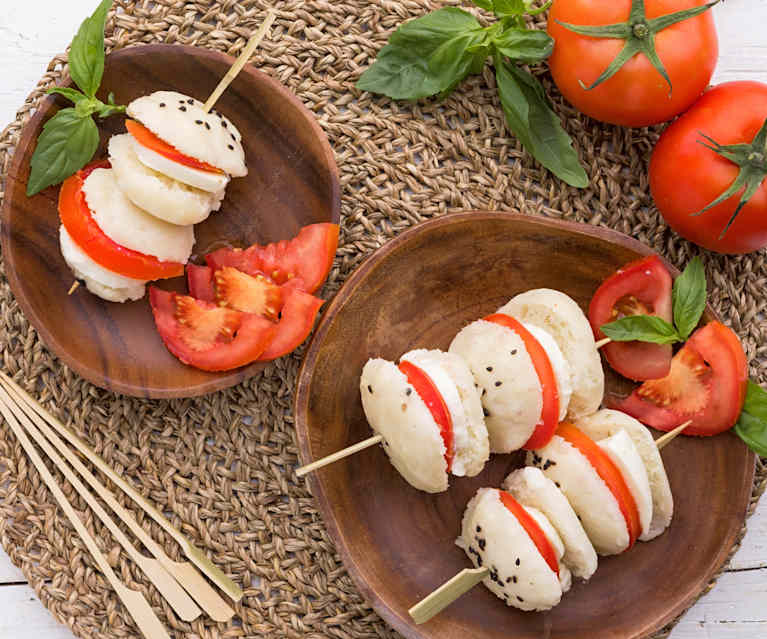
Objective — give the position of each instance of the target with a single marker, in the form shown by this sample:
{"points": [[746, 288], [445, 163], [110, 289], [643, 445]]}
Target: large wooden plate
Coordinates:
{"points": [[397, 542], [292, 181]]}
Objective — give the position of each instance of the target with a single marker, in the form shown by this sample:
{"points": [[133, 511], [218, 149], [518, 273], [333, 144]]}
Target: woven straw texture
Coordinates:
{"points": [[222, 465]]}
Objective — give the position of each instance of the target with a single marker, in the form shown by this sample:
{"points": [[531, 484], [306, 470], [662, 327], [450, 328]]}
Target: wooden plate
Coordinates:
{"points": [[397, 542], [292, 181]]}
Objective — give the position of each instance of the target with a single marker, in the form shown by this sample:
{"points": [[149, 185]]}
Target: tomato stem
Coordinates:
{"points": [[639, 35], [753, 169]]}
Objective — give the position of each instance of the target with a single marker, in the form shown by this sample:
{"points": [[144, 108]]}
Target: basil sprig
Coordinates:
{"points": [[431, 55], [752, 423], [689, 302], [71, 137]]}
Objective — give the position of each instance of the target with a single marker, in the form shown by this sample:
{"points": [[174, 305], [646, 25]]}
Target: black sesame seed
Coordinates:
{"points": [[223, 122], [162, 105], [233, 137], [370, 389], [520, 598], [489, 369], [479, 528], [479, 560], [182, 108], [514, 351], [498, 383], [517, 561], [484, 391], [508, 579], [486, 412], [552, 462], [198, 121], [556, 483], [409, 391], [190, 101], [231, 148], [481, 543], [514, 579], [207, 126]]}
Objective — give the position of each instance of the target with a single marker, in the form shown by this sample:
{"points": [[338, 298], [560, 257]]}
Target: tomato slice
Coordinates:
{"points": [[532, 529], [707, 385], [207, 336], [609, 473], [299, 311], [545, 428], [642, 287], [85, 232], [149, 140], [199, 280], [434, 401], [307, 258]]}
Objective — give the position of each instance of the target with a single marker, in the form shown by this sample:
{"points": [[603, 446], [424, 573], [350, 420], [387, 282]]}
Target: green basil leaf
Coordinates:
{"points": [[752, 423], [689, 297], [427, 56], [641, 328], [72, 95], [484, 4], [105, 110], [527, 45], [67, 143], [531, 119], [86, 55], [505, 8]]}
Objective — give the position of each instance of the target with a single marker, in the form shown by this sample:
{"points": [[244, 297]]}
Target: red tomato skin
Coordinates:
{"points": [[253, 336], [722, 351], [648, 280], [685, 176], [298, 313], [637, 95], [199, 280], [533, 530]]}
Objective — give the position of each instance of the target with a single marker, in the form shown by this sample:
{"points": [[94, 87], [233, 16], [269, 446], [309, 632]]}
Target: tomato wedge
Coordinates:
{"points": [[545, 428], [532, 529], [199, 280], [706, 385], [85, 232], [642, 287], [207, 336], [307, 258], [434, 401], [609, 473], [149, 140], [297, 317]]}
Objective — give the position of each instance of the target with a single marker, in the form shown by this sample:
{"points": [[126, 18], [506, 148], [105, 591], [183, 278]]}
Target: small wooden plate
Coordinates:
{"points": [[397, 542], [292, 181]]}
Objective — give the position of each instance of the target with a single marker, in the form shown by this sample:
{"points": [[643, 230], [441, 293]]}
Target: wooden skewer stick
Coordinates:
{"points": [[165, 584], [73, 288], [138, 607], [193, 553], [663, 440], [602, 342], [241, 61], [447, 593], [371, 441], [183, 572]]}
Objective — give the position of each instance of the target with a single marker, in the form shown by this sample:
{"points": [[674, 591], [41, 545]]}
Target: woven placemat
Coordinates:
{"points": [[222, 465]]}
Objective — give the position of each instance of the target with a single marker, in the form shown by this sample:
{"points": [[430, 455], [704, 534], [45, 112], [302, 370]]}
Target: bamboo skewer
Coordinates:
{"points": [[192, 552], [602, 342], [465, 580], [183, 572], [73, 288], [241, 61], [165, 584], [355, 448], [138, 607]]}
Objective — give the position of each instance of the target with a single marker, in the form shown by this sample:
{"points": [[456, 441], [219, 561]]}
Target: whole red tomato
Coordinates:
{"points": [[637, 94], [686, 176]]}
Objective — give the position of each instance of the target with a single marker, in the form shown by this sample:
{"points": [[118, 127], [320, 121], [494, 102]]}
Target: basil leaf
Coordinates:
{"points": [[73, 95], [426, 56], [66, 144], [524, 44], [106, 110], [484, 4], [532, 121], [689, 297], [505, 8], [752, 423], [86, 55], [641, 328]]}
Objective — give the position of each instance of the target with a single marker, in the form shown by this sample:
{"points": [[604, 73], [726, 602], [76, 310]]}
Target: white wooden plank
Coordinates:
{"points": [[742, 45], [8, 572], [753, 549], [22, 615]]}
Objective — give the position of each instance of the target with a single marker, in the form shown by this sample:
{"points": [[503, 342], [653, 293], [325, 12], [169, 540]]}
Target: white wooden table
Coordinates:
{"points": [[32, 32]]}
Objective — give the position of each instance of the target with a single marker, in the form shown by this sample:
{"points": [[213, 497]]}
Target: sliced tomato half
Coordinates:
{"points": [[706, 385], [208, 336], [434, 401], [299, 310], [303, 262], [532, 529], [610, 474], [199, 280], [149, 140], [545, 428], [78, 220], [642, 287]]}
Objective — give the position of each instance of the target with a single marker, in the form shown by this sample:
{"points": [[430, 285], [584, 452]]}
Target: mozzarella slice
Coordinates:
{"points": [[203, 180], [100, 281], [129, 226], [547, 529], [562, 371], [621, 450]]}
